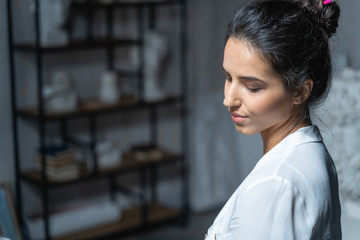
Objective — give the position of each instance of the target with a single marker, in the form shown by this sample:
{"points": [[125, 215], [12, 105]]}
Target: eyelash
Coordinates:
{"points": [[252, 90]]}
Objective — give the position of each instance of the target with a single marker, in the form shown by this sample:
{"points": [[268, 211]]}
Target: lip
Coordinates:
{"points": [[238, 118]]}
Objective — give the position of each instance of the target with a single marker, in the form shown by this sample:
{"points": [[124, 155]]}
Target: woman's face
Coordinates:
{"points": [[255, 95]]}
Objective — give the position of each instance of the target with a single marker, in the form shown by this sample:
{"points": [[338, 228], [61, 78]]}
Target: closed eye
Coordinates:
{"points": [[228, 77], [254, 90]]}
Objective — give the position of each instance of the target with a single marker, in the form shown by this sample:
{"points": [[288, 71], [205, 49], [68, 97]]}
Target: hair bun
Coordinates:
{"points": [[329, 14]]}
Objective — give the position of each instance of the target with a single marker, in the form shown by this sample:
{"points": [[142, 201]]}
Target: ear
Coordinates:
{"points": [[304, 92]]}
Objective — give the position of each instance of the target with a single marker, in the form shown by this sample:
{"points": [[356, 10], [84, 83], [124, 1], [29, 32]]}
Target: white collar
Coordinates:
{"points": [[301, 136]]}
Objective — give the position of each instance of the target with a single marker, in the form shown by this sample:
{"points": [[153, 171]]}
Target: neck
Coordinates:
{"points": [[272, 136]]}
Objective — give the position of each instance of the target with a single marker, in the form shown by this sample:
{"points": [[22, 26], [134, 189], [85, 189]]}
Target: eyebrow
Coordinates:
{"points": [[248, 78]]}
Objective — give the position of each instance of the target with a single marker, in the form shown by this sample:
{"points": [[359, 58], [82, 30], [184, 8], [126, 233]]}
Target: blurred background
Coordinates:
{"points": [[129, 132]]}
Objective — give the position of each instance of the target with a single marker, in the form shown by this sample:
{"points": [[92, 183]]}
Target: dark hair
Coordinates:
{"points": [[293, 36]]}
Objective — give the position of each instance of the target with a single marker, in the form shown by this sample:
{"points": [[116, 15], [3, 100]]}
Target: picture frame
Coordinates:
{"points": [[9, 227]]}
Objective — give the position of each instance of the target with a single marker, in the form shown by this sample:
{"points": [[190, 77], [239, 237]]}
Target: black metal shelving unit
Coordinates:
{"points": [[149, 213]]}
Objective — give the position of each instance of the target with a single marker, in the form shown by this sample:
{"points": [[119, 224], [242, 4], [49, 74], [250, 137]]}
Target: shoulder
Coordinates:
{"points": [[304, 165], [307, 166], [303, 172]]}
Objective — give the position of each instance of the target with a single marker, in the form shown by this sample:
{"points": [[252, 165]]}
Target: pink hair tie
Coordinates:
{"points": [[328, 1]]}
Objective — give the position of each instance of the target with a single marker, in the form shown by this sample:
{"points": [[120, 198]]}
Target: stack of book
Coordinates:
{"points": [[60, 163]]}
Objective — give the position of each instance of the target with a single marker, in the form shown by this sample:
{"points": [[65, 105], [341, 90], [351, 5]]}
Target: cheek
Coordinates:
{"points": [[270, 107]]}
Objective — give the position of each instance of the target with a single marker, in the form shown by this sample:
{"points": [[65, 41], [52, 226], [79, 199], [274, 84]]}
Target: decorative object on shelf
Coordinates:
{"points": [[109, 87], [109, 154], [9, 227], [155, 52], [60, 93], [341, 114], [53, 15], [60, 163], [146, 152]]}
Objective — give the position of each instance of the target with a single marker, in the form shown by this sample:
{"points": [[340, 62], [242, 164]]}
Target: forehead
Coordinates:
{"points": [[242, 58]]}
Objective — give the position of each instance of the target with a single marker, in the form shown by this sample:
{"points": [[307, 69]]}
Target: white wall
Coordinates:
{"points": [[348, 36], [219, 159]]}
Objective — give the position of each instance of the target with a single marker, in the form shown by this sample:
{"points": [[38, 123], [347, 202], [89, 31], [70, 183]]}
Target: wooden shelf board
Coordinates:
{"points": [[126, 3], [95, 106], [79, 44], [130, 220], [128, 163]]}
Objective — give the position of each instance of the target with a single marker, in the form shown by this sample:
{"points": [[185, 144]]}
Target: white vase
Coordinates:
{"points": [[109, 89]]}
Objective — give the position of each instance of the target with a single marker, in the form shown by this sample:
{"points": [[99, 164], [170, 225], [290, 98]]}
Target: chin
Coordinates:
{"points": [[245, 130]]}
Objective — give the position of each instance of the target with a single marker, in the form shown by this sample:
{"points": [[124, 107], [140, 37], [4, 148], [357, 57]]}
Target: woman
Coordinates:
{"points": [[277, 66]]}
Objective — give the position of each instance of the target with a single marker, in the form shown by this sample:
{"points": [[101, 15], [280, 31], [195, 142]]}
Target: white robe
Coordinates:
{"points": [[292, 193]]}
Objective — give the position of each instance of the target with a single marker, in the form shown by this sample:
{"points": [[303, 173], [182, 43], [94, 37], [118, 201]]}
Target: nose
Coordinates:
{"points": [[232, 96]]}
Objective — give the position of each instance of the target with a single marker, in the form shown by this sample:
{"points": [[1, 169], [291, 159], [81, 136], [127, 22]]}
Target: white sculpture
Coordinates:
{"points": [[60, 93], [53, 15], [109, 87], [109, 154], [341, 115], [155, 51]]}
